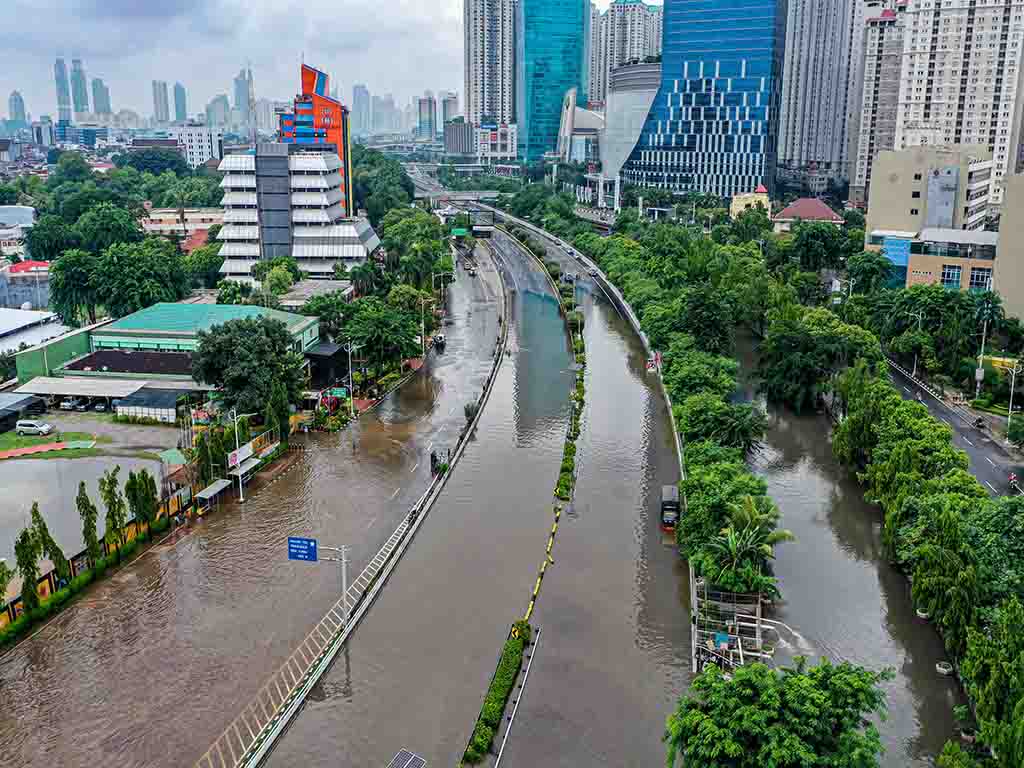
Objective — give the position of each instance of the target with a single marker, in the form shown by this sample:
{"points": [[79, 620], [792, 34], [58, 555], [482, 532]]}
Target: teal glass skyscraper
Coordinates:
{"points": [[713, 127], [552, 55]]}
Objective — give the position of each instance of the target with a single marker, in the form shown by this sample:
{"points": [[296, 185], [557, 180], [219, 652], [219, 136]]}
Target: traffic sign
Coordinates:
{"points": [[301, 548]]}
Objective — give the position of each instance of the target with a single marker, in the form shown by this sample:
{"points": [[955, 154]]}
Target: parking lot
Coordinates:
{"points": [[112, 434]]}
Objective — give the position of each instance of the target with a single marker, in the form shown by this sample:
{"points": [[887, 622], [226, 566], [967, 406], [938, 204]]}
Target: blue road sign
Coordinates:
{"points": [[301, 548]]}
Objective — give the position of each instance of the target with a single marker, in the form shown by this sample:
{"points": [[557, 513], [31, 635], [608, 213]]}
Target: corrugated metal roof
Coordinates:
{"points": [[959, 236], [192, 318], [80, 387]]}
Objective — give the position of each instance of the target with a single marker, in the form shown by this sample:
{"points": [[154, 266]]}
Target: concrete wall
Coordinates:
{"points": [[16, 290], [46, 358], [1009, 280]]}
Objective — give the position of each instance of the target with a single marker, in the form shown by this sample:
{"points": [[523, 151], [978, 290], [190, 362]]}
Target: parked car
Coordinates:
{"points": [[472, 273], [100, 407], [33, 427], [69, 403], [592, 272], [83, 405]]}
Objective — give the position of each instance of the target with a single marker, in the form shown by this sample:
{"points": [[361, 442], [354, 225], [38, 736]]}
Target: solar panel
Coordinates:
{"points": [[406, 759]]}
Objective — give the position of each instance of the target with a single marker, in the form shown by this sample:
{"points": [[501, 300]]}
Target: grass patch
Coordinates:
{"points": [[70, 453], [11, 440]]}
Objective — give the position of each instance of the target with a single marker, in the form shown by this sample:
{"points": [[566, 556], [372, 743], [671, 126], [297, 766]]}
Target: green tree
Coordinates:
{"points": [[143, 501], [104, 225], [818, 245], [49, 238], [264, 267], [6, 576], [700, 372], [277, 407], [8, 194], [232, 292], [243, 358], [203, 265], [47, 545], [71, 167], [870, 271], [116, 518], [133, 276], [155, 160], [384, 333], [799, 716], [72, 286], [706, 416], [26, 555], [334, 311], [278, 281], [89, 515]]}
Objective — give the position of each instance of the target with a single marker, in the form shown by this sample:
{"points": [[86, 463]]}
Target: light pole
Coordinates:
{"points": [[979, 374], [350, 347], [343, 551], [1017, 368], [920, 319], [234, 422], [423, 323], [433, 277]]}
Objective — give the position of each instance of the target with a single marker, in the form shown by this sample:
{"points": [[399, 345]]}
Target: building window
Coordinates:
{"points": [[980, 277], [951, 276], [915, 194], [917, 177], [913, 211]]}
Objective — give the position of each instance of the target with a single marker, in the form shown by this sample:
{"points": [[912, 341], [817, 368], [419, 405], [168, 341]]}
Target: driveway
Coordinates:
{"points": [[115, 435]]}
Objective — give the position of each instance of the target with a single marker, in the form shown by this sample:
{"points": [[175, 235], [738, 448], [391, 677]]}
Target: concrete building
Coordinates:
{"points": [[25, 285], [714, 124], [960, 82], [459, 138], [28, 327], [939, 189], [161, 106], [16, 107], [449, 106], [362, 118], [243, 89], [180, 221], [199, 143], [15, 221], [579, 132], [496, 143], [806, 209], [100, 97], [180, 103], [872, 120], [288, 200], [83, 134], [60, 76], [1009, 275], [79, 90], [629, 97], [10, 151], [426, 124], [746, 201], [628, 31], [552, 56], [218, 111], [43, 134], [490, 61]]}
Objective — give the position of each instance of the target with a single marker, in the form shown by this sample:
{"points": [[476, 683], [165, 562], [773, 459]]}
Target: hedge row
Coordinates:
{"points": [[498, 692]]}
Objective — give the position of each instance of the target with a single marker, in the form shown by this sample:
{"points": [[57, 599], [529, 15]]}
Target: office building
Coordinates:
{"points": [[922, 189], [100, 97], [319, 119], [552, 56], [290, 200], [628, 98], [218, 111], [79, 91], [872, 121], [496, 143], [83, 134], [362, 124], [243, 91], [43, 134], [960, 82], [629, 31], [490, 63], [16, 108], [199, 143], [459, 137], [714, 123], [426, 123], [449, 106], [60, 75], [161, 106], [180, 103]]}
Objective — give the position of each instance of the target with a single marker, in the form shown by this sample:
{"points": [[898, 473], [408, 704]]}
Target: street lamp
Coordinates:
{"points": [[350, 347], [979, 374], [234, 422], [423, 323], [1017, 368], [433, 277], [920, 319], [343, 551]]}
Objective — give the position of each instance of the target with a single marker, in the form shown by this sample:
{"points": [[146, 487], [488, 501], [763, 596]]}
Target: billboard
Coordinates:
{"points": [[239, 455]]}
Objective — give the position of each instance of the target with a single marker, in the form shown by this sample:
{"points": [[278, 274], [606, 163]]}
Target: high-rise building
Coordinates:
{"points": [[490, 61], [79, 90], [199, 143], [60, 75], [552, 56], [872, 122], [100, 97], [815, 88], [426, 114], [629, 31], [43, 133], [362, 124], [161, 106], [319, 119], [180, 103], [218, 110], [16, 107], [289, 200], [449, 106], [243, 84], [961, 79], [714, 123]]}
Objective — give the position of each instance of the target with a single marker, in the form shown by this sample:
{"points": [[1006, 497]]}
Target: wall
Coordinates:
{"points": [[1009, 280], [44, 359]]}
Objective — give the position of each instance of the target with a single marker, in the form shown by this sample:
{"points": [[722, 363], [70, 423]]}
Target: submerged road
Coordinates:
{"points": [[152, 664]]}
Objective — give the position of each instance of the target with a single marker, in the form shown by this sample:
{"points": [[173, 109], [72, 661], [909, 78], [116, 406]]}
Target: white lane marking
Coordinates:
{"points": [[395, 493], [990, 461], [430, 446], [372, 521], [966, 440], [991, 486], [907, 390], [416, 467]]}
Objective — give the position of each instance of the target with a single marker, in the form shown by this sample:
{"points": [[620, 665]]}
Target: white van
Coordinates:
{"points": [[33, 427]]}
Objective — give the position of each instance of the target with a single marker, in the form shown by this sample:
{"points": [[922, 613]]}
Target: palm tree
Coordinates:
{"points": [[364, 277], [761, 514]]}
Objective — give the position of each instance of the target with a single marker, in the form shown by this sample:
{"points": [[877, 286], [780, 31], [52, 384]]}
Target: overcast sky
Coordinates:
{"points": [[397, 46]]}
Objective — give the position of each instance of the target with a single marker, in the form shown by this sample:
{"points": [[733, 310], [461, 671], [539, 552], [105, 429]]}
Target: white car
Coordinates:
{"points": [[33, 427], [69, 404]]}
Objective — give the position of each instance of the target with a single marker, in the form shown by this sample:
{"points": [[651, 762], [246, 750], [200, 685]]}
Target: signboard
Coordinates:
{"points": [[236, 457], [301, 548]]}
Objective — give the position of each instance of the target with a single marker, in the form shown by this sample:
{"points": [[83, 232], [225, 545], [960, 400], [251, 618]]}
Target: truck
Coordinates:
{"points": [[669, 507]]}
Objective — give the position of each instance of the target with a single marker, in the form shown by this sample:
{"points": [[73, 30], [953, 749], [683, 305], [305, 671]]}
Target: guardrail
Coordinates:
{"points": [[249, 738], [963, 413]]}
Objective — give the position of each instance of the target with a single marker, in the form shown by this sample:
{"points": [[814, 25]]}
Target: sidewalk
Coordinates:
{"points": [[15, 453]]}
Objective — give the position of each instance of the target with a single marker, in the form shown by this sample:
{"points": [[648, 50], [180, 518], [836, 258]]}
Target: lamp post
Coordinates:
{"points": [[350, 347], [1017, 368], [343, 551], [920, 319], [979, 374], [433, 277], [423, 323], [234, 421]]}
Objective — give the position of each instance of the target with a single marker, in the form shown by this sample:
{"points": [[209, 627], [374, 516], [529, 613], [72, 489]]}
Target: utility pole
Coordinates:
{"points": [[979, 374], [423, 323], [349, 347], [235, 418], [343, 551], [1017, 368], [920, 319]]}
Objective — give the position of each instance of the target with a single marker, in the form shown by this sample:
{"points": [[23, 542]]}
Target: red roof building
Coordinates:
{"points": [[805, 209], [24, 267], [196, 240]]}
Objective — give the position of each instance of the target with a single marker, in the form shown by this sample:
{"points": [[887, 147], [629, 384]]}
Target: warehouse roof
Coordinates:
{"points": [[189, 319], [80, 387]]}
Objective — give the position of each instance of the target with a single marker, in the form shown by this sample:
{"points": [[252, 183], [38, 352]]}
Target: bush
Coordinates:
{"points": [[577, 346], [140, 420], [160, 524], [483, 736], [553, 269], [570, 450], [568, 465], [581, 359], [14, 630], [387, 381], [564, 488], [471, 409], [493, 708]]}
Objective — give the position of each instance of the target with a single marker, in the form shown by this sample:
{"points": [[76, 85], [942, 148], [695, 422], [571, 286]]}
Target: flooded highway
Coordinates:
{"points": [[152, 664]]}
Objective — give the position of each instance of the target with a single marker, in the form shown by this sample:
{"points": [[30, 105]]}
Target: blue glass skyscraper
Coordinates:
{"points": [[552, 55], [713, 126]]}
